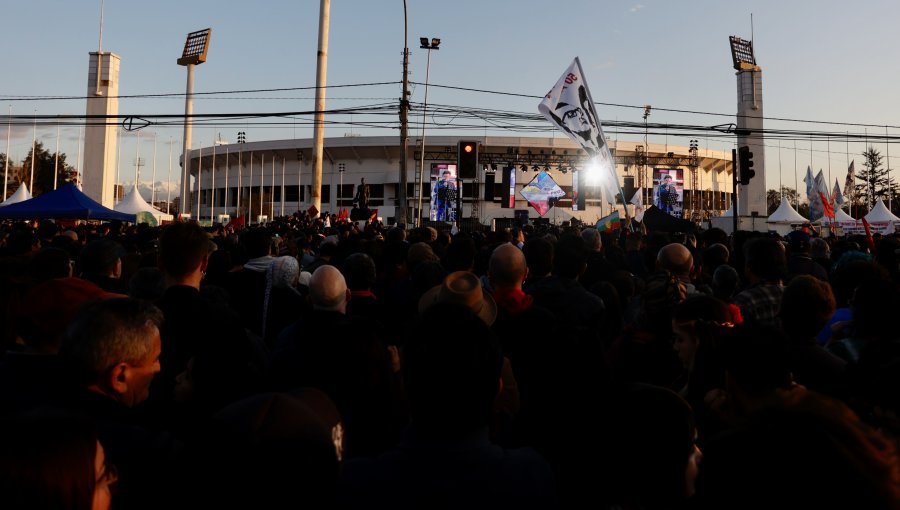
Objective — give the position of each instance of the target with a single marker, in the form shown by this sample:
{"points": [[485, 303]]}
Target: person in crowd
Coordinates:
{"points": [[799, 450], [765, 269], [247, 286], [282, 300], [677, 259], [446, 459], [800, 262], [343, 358], [806, 306], [53, 461], [101, 262], [270, 450], [648, 455], [114, 348], [198, 328]]}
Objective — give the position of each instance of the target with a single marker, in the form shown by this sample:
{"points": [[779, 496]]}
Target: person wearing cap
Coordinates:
{"points": [[463, 288]]}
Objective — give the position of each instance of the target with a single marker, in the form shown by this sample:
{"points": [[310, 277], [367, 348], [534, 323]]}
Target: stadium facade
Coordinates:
{"points": [[272, 178]]}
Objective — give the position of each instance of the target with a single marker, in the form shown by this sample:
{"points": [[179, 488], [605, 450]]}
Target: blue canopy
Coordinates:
{"points": [[65, 203]]}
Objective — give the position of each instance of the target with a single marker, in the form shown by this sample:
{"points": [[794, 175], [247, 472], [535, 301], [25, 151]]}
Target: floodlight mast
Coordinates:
{"points": [[195, 47]]}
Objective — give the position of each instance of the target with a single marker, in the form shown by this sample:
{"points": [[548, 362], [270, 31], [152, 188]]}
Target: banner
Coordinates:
{"points": [[569, 107]]}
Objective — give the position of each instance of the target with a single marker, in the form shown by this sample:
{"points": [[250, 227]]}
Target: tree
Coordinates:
{"points": [[875, 181], [773, 198], [44, 163]]}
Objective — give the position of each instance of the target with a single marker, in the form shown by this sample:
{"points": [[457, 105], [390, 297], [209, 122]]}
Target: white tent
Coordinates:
{"points": [[839, 217], [880, 213], [785, 214], [134, 203], [20, 195]]}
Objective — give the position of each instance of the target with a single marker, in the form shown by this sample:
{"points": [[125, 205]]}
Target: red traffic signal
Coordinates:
{"points": [[467, 160]]}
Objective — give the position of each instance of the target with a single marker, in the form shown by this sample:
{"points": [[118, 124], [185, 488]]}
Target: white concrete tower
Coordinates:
{"points": [[101, 134], [751, 196]]}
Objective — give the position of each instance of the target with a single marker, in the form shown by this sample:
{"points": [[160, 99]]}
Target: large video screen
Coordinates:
{"points": [[668, 194], [444, 190]]}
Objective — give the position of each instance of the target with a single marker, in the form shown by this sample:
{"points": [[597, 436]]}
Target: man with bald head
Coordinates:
{"points": [[677, 259], [328, 290], [343, 357]]}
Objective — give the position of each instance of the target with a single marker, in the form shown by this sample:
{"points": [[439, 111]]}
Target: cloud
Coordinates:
{"points": [[609, 64], [636, 8]]}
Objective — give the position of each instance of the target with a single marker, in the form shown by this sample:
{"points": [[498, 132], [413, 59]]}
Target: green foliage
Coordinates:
{"points": [[773, 198], [875, 182], [44, 164]]}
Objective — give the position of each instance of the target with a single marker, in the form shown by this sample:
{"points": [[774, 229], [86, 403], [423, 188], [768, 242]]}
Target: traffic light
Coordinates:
{"points": [[467, 160], [746, 165]]}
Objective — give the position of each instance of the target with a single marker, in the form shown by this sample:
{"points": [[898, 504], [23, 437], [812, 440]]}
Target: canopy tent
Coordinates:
{"points": [[655, 219], [134, 203], [839, 217], [785, 214], [22, 194], [880, 213], [66, 202]]}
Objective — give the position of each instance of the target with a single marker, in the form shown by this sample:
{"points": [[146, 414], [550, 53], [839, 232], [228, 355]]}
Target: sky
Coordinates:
{"points": [[821, 61]]}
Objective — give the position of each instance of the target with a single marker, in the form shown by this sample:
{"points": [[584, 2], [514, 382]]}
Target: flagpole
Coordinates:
{"points": [[283, 163], [250, 194], [227, 165], [153, 179], [6, 156], [169, 180], [612, 160], [272, 207], [56, 157], [212, 205]]}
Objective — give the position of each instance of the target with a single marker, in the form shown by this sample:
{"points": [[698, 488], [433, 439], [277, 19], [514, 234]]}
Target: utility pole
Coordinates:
{"points": [[404, 127]]}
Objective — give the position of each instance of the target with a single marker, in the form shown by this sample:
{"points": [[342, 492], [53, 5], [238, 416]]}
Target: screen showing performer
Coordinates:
{"points": [[669, 191], [444, 189]]}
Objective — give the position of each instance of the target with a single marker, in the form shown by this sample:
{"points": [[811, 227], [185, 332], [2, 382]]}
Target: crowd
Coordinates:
{"points": [[307, 363]]}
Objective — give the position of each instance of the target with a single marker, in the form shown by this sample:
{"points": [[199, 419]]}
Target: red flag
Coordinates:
{"points": [[373, 216], [343, 214], [312, 211], [826, 204], [237, 222], [869, 240]]}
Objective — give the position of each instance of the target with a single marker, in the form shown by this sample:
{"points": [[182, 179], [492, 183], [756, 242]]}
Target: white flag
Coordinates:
{"points": [[810, 184], [638, 201], [836, 196], [569, 107]]}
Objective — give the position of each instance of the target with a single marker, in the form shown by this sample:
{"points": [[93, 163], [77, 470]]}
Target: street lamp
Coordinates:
{"points": [[426, 45], [195, 47]]}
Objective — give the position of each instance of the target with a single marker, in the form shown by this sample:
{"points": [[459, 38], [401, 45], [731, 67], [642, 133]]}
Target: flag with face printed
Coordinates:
{"points": [[569, 107]]}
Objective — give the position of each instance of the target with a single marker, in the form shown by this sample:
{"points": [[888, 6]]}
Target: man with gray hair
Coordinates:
{"points": [[114, 347], [343, 357]]}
